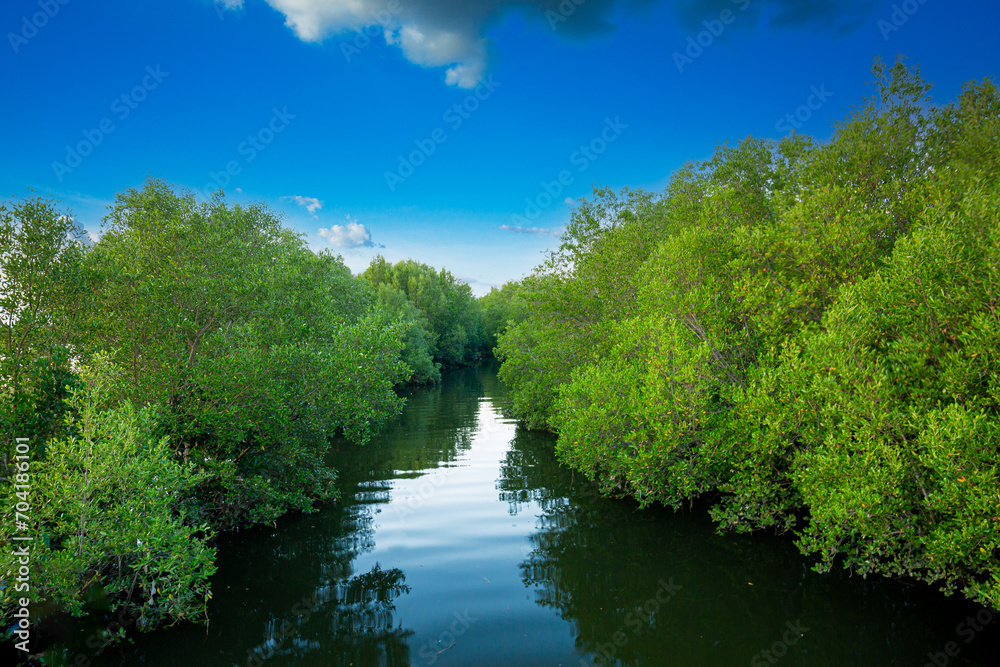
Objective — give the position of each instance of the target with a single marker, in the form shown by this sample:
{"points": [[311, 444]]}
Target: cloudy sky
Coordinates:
{"points": [[456, 132]]}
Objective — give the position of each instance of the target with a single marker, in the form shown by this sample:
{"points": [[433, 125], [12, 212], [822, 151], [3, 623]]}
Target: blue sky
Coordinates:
{"points": [[455, 132]]}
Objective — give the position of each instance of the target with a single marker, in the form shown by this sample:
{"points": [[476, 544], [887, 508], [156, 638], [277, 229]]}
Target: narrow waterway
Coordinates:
{"points": [[461, 541]]}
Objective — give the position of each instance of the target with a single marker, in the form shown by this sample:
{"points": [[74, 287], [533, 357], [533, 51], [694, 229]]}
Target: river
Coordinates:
{"points": [[460, 540]]}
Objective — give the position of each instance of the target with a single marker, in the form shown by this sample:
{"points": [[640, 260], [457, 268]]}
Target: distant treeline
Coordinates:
{"points": [[184, 374], [805, 334]]}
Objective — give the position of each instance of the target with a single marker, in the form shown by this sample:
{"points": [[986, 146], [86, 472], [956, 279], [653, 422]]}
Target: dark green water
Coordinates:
{"points": [[461, 541]]}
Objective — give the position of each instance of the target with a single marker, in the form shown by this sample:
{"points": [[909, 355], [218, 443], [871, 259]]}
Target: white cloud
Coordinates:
{"points": [[435, 47], [314, 20], [451, 33], [351, 234], [438, 33], [465, 76], [416, 27], [310, 204], [537, 231]]}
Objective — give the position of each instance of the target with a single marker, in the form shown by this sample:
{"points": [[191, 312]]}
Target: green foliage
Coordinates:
{"points": [[643, 420], [104, 513], [582, 290], [453, 318], [502, 308], [40, 292], [801, 331], [38, 409], [218, 356], [256, 349], [901, 474], [417, 337]]}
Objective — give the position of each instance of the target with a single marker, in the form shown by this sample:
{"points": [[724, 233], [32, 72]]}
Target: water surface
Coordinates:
{"points": [[459, 540]]}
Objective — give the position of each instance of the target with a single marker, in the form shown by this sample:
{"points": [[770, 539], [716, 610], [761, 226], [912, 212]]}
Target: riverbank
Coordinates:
{"points": [[459, 539]]}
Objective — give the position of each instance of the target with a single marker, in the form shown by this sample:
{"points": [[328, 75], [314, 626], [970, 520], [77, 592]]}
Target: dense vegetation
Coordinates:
{"points": [[502, 307], [803, 333], [444, 321], [184, 375]]}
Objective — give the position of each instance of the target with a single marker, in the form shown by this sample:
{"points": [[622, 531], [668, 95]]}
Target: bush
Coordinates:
{"points": [[104, 514]]}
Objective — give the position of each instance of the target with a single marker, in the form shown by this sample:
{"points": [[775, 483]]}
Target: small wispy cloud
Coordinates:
{"points": [[536, 231], [352, 234], [310, 204]]}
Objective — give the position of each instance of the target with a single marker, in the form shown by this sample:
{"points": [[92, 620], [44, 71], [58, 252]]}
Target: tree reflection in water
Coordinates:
{"points": [[601, 563], [357, 615], [293, 594]]}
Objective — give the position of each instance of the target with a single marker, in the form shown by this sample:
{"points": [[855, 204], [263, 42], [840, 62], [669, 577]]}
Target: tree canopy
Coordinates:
{"points": [[799, 332], [185, 373]]}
